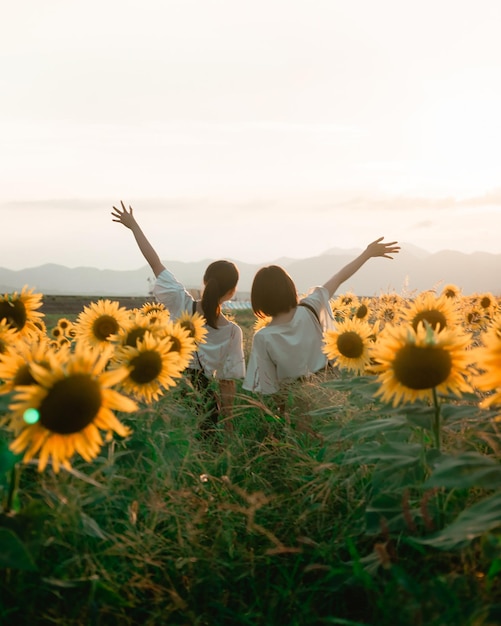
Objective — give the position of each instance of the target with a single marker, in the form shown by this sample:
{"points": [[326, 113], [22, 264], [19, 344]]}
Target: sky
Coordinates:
{"points": [[250, 130]]}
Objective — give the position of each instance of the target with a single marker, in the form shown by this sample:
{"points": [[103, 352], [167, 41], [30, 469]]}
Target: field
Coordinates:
{"points": [[340, 508]]}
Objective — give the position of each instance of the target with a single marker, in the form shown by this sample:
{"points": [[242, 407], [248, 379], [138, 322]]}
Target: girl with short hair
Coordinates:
{"points": [[290, 346]]}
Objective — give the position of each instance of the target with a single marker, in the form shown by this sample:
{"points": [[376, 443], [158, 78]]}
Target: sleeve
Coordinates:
{"points": [[234, 364], [318, 298], [261, 371], [171, 293]]}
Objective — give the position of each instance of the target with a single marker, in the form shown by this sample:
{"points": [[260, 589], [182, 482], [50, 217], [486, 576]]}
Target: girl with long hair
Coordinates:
{"points": [[221, 358]]}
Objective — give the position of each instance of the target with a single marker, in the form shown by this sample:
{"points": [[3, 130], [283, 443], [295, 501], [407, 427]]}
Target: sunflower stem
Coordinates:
{"points": [[437, 422], [13, 487], [437, 432]]}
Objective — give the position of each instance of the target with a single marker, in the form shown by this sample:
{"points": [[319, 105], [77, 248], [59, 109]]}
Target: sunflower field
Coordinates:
{"points": [[369, 493]]}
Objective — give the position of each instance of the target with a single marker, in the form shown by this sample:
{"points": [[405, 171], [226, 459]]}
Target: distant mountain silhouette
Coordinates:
{"points": [[412, 271]]}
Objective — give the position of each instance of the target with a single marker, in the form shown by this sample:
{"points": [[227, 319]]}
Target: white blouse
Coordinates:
{"points": [[222, 354], [292, 349]]}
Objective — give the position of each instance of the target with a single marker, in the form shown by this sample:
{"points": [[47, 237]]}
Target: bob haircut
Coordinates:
{"points": [[273, 292]]}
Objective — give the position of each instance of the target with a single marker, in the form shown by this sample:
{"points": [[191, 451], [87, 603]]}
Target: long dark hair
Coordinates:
{"points": [[219, 278], [273, 291]]}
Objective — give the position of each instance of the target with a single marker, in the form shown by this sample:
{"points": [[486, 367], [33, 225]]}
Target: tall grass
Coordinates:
{"points": [[327, 513]]}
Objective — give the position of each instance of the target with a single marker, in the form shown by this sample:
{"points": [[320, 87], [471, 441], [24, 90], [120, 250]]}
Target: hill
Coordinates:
{"points": [[413, 270]]}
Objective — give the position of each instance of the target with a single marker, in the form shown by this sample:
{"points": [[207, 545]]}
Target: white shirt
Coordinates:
{"points": [[222, 354], [292, 349]]}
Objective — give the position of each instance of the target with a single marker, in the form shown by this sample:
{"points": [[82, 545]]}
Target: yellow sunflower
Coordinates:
{"points": [[388, 308], [261, 322], [194, 324], [411, 363], [439, 312], [155, 313], [15, 363], [348, 345], [65, 412], [182, 343], [8, 336], [20, 310], [488, 360], [133, 330], [473, 316], [153, 307], [363, 310], [451, 291], [99, 321], [152, 367]]}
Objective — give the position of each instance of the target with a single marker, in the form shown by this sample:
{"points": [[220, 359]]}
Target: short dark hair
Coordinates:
{"points": [[273, 292]]}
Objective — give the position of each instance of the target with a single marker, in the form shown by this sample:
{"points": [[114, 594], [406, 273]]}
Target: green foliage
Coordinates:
{"points": [[341, 510]]}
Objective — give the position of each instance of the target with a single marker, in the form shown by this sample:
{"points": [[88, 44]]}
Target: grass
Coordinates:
{"points": [[327, 515]]}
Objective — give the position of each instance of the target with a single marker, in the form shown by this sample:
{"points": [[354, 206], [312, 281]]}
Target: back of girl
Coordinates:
{"points": [[221, 358], [290, 346]]}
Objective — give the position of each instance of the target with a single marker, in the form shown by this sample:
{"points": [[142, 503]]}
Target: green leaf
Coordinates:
{"points": [[13, 552], [379, 425], [472, 523], [466, 470]]}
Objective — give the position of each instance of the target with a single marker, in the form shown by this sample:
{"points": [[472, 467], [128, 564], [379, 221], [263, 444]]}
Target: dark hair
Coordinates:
{"points": [[273, 291], [219, 278]]}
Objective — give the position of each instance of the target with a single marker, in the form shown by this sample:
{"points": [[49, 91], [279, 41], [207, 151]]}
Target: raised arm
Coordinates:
{"points": [[127, 219], [374, 249]]}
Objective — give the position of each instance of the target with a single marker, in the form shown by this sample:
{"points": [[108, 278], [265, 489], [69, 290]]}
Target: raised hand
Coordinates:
{"points": [[123, 216], [377, 248]]}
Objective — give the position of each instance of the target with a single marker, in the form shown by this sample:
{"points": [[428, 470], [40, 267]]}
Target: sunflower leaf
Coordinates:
{"points": [[482, 517], [466, 470]]}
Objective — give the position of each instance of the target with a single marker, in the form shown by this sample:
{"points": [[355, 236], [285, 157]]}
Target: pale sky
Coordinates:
{"points": [[250, 130]]}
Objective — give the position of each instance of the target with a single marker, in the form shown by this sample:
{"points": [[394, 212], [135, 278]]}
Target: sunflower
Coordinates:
{"points": [[65, 412], [155, 312], [152, 367], [261, 322], [348, 345], [15, 363], [99, 321], [194, 323], [451, 291], [20, 310], [363, 310], [388, 308], [182, 343], [473, 316], [488, 360], [411, 363], [133, 330], [8, 336], [153, 307], [439, 312]]}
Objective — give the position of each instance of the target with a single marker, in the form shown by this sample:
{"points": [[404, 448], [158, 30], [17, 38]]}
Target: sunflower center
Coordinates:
{"points": [[104, 326], [436, 319], [350, 345], [23, 376], [146, 367], [485, 303], [361, 312], [134, 335], [450, 293], [176, 344], [14, 313], [189, 326], [419, 367], [71, 404]]}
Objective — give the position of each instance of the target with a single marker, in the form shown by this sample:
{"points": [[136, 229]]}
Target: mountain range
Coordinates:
{"points": [[413, 270]]}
